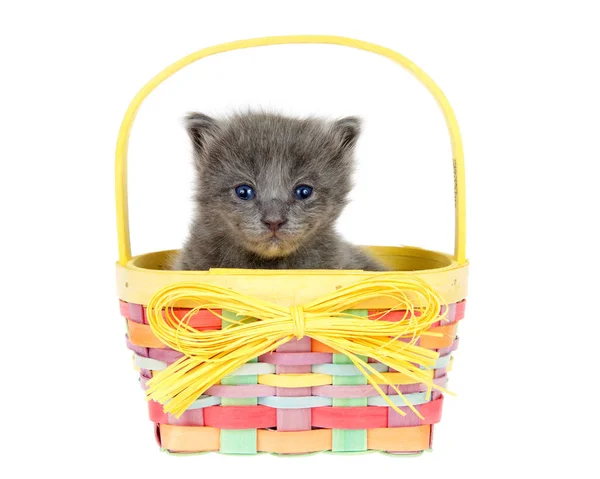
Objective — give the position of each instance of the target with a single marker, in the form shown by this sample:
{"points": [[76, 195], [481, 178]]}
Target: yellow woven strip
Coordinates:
{"points": [[212, 355], [399, 378], [295, 380]]}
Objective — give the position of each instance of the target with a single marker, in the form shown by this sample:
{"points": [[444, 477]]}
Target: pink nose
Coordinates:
{"points": [[274, 224]]}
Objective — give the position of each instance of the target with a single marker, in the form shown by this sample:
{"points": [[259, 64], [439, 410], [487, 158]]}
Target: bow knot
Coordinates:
{"points": [[297, 315]]}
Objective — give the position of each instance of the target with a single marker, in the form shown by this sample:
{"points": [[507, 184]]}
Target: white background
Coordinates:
{"points": [[523, 78]]}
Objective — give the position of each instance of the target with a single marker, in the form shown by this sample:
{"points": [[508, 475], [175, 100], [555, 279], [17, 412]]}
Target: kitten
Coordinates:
{"points": [[269, 191]]}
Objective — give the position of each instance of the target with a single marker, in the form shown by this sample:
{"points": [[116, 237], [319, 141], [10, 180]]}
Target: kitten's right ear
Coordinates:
{"points": [[201, 129], [346, 131]]}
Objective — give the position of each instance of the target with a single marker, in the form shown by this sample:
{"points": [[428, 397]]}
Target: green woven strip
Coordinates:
{"points": [[233, 317], [238, 441], [349, 440]]}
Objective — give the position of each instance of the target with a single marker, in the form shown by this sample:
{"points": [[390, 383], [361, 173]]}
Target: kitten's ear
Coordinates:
{"points": [[201, 129], [346, 131]]}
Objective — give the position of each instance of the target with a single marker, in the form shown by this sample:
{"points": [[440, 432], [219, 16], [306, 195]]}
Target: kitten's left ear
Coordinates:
{"points": [[346, 131], [201, 130]]}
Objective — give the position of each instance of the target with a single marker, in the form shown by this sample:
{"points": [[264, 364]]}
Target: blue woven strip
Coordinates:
{"points": [[413, 398], [305, 402], [205, 401], [149, 363]]}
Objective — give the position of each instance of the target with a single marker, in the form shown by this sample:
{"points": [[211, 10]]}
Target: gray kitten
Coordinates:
{"points": [[269, 191]]}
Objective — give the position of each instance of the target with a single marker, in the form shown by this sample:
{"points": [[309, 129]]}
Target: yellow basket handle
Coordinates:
{"points": [[451, 123]]}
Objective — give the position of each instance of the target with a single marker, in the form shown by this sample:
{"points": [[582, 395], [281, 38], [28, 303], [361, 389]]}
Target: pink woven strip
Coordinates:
{"points": [[139, 350], [294, 419], [284, 359], [345, 391], [419, 388], [455, 312], [295, 346], [241, 391], [296, 359], [451, 315], [169, 356]]}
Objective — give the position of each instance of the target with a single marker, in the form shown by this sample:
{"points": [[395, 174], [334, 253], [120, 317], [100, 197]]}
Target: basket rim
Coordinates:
{"points": [[447, 260], [136, 284]]}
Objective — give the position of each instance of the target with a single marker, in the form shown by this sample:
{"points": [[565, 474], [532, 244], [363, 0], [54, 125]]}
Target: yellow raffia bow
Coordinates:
{"points": [[209, 356]]}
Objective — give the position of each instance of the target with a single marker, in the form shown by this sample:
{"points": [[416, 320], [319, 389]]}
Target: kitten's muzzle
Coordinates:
{"points": [[274, 223]]}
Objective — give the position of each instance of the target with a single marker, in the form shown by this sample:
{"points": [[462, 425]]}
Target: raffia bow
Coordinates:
{"points": [[262, 327]]}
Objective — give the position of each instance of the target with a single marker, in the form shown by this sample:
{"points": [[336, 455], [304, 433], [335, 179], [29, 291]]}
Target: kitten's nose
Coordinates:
{"points": [[274, 223]]}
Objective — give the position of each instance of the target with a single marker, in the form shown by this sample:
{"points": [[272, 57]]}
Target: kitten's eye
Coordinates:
{"points": [[245, 192], [303, 191]]}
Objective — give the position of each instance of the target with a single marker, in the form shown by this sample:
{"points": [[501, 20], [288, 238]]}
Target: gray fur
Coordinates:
{"points": [[274, 154]]}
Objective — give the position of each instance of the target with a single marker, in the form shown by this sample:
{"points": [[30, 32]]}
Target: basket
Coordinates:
{"points": [[339, 361]]}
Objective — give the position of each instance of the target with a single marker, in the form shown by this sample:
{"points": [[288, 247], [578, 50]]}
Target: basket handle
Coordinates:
{"points": [[451, 123]]}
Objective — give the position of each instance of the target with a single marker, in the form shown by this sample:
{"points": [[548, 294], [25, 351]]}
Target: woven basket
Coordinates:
{"points": [[304, 396]]}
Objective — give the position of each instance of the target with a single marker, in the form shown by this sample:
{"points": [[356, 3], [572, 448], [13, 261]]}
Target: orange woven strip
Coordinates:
{"points": [[400, 439], [189, 439], [200, 439], [319, 347], [449, 334], [289, 442], [141, 335]]}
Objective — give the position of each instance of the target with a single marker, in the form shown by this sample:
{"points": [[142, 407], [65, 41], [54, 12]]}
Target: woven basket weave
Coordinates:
{"points": [[304, 397]]}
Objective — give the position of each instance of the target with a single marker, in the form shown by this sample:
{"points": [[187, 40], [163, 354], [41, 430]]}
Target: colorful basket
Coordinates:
{"points": [[294, 362]]}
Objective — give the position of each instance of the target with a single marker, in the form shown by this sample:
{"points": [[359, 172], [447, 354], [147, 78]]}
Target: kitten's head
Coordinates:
{"points": [[272, 182]]}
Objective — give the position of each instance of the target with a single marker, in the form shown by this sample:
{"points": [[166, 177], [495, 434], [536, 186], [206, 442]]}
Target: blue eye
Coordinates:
{"points": [[303, 191], [245, 192]]}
